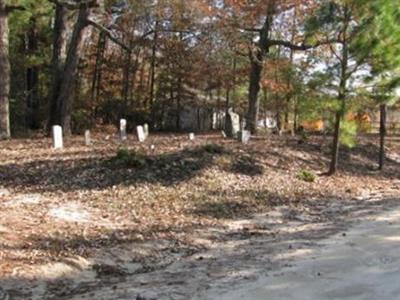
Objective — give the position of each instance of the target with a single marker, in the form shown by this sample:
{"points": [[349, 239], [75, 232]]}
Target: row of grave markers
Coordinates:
{"points": [[142, 131], [142, 134], [57, 136]]}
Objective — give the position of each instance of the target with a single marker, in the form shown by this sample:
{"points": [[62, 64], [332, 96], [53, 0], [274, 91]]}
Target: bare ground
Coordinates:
{"points": [[362, 264], [177, 220]]}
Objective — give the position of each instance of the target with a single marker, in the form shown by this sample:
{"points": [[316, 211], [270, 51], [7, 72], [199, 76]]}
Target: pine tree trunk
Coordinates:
{"points": [[178, 104], [341, 95], [4, 74], [336, 145], [58, 62], [382, 133], [32, 80], [295, 115], [126, 77], [153, 65]]}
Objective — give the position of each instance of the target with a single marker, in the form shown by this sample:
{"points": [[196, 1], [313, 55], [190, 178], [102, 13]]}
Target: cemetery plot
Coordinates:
{"points": [[73, 220]]}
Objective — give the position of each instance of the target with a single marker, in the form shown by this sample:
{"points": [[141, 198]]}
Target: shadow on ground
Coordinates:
{"points": [[68, 174], [100, 173], [361, 160], [255, 254]]}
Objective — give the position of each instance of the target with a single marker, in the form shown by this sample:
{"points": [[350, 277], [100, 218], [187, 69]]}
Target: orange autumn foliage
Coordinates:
{"points": [[313, 125]]}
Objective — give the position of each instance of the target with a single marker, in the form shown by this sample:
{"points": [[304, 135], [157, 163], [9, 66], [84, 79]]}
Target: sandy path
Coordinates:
{"points": [[363, 264], [283, 254]]}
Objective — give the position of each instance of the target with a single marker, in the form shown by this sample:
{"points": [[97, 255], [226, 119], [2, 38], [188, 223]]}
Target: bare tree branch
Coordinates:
{"points": [[114, 39], [334, 52], [109, 34], [301, 47]]}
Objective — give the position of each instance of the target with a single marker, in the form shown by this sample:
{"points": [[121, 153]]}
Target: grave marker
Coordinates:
{"points": [[140, 134], [88, 141], [57, 137], [232, 124], [146, 130], [122, 130], [223, 134], [244, 136]]}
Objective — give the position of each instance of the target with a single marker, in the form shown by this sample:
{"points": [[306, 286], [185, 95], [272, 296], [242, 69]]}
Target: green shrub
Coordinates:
{"points": [[306, 176], [130, 159], [213, 148], [348, 133], [122, 154]]}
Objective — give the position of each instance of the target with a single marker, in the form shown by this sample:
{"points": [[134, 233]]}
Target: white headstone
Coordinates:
{"points": [[140, 134], [122, 129], [242, 124], [215, 120], [244, 136], [88, 142], [146, 130], [191, 136], [232, 124], [271, 123], [261, 123], [223, 134], [57, 137]]}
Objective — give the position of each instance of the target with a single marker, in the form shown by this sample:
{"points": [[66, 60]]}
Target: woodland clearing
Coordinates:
{"points": [[176, 220]]}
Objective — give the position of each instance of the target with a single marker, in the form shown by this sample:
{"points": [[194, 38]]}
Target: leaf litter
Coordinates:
{"points": [[81, 217]]}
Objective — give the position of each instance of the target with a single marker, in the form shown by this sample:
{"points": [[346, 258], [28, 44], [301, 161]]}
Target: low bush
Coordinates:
{"points": [[306, 176], [213, 148], [130, 159]]}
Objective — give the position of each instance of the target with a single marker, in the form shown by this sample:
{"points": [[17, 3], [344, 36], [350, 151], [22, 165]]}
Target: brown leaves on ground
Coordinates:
{"points": [[87, 201]]}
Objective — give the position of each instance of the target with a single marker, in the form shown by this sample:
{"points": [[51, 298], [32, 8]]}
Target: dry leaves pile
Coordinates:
{"points": [[85, 202]]}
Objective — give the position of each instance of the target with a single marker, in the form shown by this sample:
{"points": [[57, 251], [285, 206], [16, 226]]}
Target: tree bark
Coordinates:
{"points": [[336, 144], [134, 71], [254, 102], [32, 80], [229, 89], [153, 65], [4, 74], [382, 134], [344, 63], [97, 73], [339, 116], [58, 62], [295, 114], [67, 88], [178, 104], [126, 77], [141, 86], [257, 65]]}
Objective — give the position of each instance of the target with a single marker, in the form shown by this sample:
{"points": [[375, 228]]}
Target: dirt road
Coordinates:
{"points": [[362, 264]]}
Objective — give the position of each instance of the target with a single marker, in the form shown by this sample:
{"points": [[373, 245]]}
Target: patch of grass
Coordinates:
{"points": [[213, 148], [223, 161], [130, 159], [306, 176]]}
